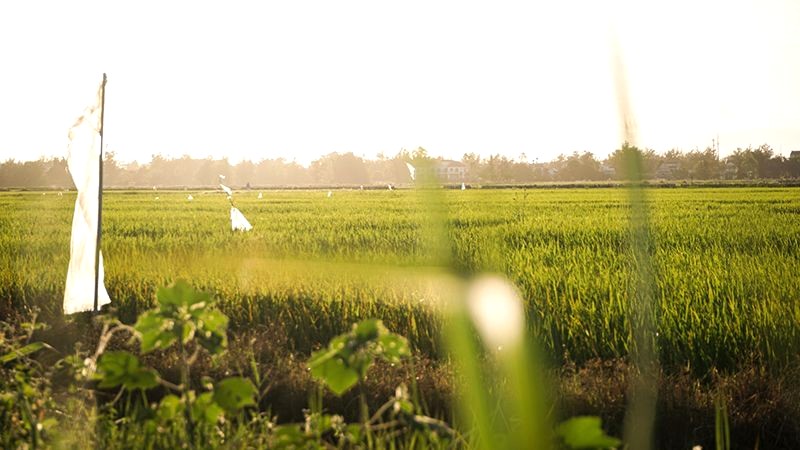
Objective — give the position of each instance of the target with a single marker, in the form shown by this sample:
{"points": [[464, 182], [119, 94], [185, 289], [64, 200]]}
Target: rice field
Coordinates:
{"points": [[726, 262]]}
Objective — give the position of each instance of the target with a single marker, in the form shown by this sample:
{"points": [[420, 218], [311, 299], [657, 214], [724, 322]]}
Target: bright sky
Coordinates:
{"points": [[298, 79]]}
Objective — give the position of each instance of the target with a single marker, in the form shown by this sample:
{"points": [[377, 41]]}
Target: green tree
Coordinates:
{"points": [[335, 168], [703, 165], [744, 163], [620, 157], [113, 175], [349, 169], [580, 166], [473, 163], [56, 174], [244, 172]]}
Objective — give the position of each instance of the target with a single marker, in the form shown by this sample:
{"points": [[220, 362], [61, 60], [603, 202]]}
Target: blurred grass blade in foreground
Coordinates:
{"points": [[502, 383]]}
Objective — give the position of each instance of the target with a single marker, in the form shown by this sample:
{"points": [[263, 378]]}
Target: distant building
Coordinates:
{"points": [[449, 170], [667, 170], [730, 170], [607, 170]]}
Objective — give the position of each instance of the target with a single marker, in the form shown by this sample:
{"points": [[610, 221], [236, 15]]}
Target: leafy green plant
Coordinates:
{"points": [[343, 364], [123, 369], [184, 318], [346, 359], [26, 403]]}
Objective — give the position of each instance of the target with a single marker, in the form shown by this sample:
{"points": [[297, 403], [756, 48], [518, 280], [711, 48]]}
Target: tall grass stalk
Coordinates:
{"points": [[643, 392]]}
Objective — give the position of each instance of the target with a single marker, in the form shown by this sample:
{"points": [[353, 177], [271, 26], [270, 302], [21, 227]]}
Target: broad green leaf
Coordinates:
{"points": [[367, 330], [349, 356], [335, 374], [205, 409], [334, 349], [234, 393], [123, 368], [181, 294], [23, 352], [188, 329], [213, 321], [394, 347], [360, 362], [155, 331], [212, 330], [585, 432], [169, 408]]}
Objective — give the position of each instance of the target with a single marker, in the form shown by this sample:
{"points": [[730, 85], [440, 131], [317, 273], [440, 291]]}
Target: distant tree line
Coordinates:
{"points": [[349, 169]]}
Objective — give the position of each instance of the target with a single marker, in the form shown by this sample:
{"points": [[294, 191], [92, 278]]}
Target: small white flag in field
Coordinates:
{"points": [[83, 161], [238, 221], [330, 194], [412, 171], [390, 186], [226, 189], [222, 177], [190, 198], [260, 196], [463, 186]]}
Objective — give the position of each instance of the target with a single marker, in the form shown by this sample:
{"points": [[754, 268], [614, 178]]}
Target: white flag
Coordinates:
{"points": [[238, 221], [260, 196], [412, 171], [83, 161], [463, 186]]}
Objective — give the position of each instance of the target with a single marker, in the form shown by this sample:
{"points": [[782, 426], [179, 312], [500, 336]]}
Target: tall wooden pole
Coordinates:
{"points": [[99, 197]]}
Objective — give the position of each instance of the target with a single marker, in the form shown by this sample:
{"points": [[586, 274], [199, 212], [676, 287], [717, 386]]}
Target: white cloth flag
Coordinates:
{"points": [[84, 166], [412, 171], [238, 221]]}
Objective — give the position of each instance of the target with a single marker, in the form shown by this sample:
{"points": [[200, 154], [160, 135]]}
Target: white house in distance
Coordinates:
{"points": [[449, 170], [667, 169], [607, 171]]}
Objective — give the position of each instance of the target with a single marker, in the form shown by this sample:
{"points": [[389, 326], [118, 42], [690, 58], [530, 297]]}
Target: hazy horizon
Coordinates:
{"points": [[300, 80]]}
